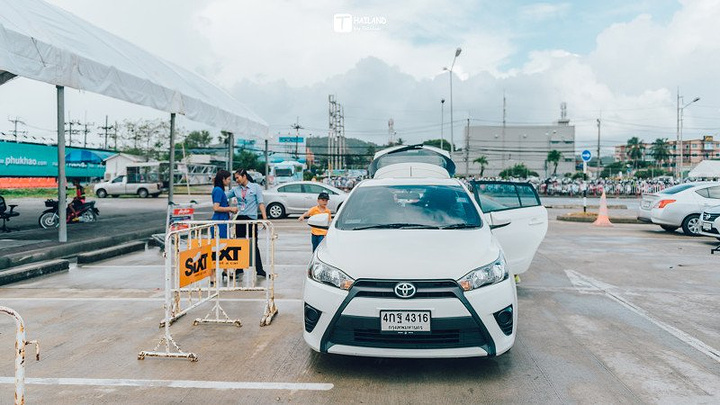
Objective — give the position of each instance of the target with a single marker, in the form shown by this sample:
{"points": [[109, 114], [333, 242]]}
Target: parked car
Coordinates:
{"points": [[413, 267], [710, 222], [124, 185], [298, 197], [680, 206]]}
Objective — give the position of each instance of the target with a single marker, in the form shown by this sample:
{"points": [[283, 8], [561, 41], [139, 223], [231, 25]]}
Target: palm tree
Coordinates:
{"points": [[482, 161], [635, 149], [660, 150], [554, 157]]}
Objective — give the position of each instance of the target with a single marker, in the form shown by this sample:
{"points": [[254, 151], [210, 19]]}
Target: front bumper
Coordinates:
{"points": [[463, 324]]}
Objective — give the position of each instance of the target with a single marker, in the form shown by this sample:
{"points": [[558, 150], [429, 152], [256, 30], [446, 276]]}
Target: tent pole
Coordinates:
{"points": [[231, 152], [171, 183], [267, 165], [62, 230]]}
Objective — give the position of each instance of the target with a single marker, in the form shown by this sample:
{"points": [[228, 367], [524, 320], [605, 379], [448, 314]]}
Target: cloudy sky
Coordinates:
{"points": [[617, 59]]}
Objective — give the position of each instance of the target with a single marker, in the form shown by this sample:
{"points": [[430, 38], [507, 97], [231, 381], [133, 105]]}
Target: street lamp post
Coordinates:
{"points": [[452, 133], [681, 109], [442, 123]]}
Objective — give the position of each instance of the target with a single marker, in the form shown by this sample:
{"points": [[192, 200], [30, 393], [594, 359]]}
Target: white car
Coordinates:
{"points": [[123, 185], [411, 267], [680, 206], [710, 222], [298, 197]]}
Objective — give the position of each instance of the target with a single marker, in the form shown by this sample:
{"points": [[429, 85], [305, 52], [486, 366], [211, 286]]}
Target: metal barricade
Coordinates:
{"points": [[191, 253], [20, 344]]}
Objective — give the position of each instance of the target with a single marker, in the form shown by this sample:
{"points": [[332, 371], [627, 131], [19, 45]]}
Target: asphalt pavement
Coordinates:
{"points": [[626, 314]]}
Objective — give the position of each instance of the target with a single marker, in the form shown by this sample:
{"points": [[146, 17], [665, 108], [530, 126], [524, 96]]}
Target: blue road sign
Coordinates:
{"points": [[291, 139], [586, 155]]}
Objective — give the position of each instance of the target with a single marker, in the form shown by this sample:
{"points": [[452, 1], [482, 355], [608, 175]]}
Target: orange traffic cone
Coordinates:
{"points": [[603, 218]]}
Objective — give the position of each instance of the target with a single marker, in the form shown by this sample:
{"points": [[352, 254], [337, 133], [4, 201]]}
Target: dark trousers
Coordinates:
{"points": [[240, 233], [316, 239]]}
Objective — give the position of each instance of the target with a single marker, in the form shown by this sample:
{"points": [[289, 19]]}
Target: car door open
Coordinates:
{"points": [[518, 219]]}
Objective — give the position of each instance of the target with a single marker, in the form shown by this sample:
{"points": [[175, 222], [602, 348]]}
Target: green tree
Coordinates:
{"points": [[198, 139], [635, 149], [554, 157], [436, 143], [249, 161], [519, 170], [660, 151], [482, 161]]}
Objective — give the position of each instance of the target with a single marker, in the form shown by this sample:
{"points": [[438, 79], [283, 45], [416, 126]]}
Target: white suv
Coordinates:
{"points": [[411, 267]]}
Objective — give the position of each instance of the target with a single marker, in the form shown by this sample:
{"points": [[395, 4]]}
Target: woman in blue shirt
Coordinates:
{"points": [[221, 207]]}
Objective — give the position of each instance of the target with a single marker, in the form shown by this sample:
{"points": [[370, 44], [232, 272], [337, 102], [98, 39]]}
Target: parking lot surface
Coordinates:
{"points": [[626, 314]]}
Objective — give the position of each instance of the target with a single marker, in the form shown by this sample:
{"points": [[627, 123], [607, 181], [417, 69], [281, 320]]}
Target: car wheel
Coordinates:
{"points": [[691, 225], [101, 193], [669, 228], [142, 193], [275, 211]]}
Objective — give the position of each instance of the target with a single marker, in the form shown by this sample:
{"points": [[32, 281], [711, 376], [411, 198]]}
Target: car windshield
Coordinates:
{"points": [[677, 189], [409, 207], [283, 172]]}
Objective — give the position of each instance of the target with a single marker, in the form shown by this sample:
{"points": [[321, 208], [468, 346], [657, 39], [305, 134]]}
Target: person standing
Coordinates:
{"points": [[317, 235], [250, 200], [221, 207]]}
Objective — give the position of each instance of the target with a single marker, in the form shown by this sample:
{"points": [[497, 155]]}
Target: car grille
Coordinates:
{"points": [[425, 289], [710, 217], [446, 333]]}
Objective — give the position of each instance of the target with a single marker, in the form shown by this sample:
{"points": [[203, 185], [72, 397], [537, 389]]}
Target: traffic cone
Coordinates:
{"points": [[603, 218]]}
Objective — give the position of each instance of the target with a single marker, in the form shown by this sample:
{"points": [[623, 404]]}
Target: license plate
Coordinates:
{"points": [[707, 226], [404, 321], [645, 204]]}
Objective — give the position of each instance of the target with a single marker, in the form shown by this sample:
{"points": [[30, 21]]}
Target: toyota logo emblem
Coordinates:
{"points": [[405, 290]]}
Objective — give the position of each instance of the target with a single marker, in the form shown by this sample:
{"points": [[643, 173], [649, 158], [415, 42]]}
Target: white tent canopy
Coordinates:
{"points": [[46, 43], [706, 169]]}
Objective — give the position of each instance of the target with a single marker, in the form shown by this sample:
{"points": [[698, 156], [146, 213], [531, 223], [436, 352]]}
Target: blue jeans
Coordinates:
{"points": [[316, 239]]}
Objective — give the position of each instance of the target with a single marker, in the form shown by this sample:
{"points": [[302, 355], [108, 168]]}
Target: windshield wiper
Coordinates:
{"points": [[397, 225], [460, 226]]}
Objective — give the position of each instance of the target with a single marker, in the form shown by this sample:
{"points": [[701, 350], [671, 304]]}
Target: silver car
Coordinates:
{"points": [[298, 197], [680, 206]]}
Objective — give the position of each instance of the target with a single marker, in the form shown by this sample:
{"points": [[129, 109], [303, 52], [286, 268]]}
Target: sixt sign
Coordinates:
{"points": [[195, 263], [234, 254]]}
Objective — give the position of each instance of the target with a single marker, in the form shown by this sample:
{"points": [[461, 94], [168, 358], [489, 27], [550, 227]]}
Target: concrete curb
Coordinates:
{"points": [[107, 253], [615, 220], [74, 248], [27, 271]]}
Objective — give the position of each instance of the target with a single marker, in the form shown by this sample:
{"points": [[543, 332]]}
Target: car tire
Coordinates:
{"points": [[669, 228], [275, 211], [142, 193], [691, 225], [101, 193]]}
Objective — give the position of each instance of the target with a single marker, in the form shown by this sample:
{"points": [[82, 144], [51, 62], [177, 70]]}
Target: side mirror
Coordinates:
{"points": [[496, 222], [321, 221]]}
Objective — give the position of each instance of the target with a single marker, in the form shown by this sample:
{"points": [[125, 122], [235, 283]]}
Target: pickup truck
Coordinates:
{"points": [[124, 185]]}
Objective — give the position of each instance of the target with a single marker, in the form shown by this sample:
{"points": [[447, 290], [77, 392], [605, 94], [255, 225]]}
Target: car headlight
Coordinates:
{"points": [[492, 273], [324, 273]]}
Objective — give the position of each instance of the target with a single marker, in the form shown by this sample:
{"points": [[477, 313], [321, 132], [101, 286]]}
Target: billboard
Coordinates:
{"points": [[33, 160]]}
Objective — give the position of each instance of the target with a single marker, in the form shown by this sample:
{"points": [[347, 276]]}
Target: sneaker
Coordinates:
{"points": [[517, 279], [261, 273]]}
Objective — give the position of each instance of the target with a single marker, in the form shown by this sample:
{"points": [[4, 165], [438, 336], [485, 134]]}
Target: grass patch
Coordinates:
{"points": [[9, 193]]}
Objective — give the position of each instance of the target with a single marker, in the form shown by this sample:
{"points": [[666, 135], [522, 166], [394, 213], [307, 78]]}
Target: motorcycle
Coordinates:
{"points": [[84, 212]]}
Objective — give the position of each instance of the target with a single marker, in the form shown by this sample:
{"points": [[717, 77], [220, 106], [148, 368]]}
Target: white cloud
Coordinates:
{"points": [[544, 11]]}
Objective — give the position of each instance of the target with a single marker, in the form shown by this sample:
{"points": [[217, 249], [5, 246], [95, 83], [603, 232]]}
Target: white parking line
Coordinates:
{"points": [[217, 385], [587, 284], [138, 299]]}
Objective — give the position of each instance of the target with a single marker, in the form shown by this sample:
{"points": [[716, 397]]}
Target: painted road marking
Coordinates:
{"points": [[139, 299], [217, 385], [587, 284]]}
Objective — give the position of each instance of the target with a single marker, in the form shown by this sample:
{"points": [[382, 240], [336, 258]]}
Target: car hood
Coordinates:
{"points": [[101, 184], [408, 253]]}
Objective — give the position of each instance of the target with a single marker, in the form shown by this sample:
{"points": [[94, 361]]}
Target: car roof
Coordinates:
{"points": [[408, 181]]}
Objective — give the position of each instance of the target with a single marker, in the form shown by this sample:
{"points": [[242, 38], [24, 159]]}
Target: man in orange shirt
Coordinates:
{"points": [[318, 234]]}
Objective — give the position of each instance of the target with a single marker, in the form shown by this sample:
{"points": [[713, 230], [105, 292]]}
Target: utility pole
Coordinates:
{"points": [[297, 127], [16, 121], [502, 153], [678, 143], [598, 146], [106, 128], [70, 130], [115, 129], [442, 123], [267, 166], [467, 148], [85, 131]]}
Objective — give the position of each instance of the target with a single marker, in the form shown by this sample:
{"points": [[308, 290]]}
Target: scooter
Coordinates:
{"points": [[85, 212]]}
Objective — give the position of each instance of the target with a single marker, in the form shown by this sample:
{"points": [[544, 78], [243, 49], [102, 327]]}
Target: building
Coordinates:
{"points": [[695, 151], [116, 165], [506, 146]]}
